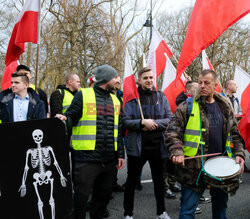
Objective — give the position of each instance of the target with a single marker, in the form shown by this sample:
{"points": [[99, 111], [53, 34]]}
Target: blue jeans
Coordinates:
{"points": [[190, 201]]}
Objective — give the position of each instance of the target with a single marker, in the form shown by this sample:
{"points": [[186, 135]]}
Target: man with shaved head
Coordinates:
{"points": [[231, 88]]}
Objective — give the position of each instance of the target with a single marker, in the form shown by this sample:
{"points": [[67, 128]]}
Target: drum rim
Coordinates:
{"points": [[224, 177]]}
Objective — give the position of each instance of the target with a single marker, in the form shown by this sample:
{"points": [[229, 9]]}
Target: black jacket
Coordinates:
{"points": [[36, 109], [104, 150], [56, 100], [181, 98], [43, 97]]}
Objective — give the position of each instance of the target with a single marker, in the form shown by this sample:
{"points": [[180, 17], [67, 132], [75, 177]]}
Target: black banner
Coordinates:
{"points": [[34, 170]]}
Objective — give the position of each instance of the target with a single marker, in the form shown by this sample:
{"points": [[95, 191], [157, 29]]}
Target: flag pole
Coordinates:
{"points": [[139, 103], [38, 45]]}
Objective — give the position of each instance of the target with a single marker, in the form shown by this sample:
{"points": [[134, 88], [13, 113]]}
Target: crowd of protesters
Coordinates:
{"points": [[101, 133]]}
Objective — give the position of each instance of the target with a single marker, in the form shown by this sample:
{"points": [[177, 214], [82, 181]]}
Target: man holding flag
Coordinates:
{"points": [[146, 140]]}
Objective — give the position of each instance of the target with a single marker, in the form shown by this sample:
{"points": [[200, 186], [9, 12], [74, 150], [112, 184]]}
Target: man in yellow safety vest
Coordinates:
{"points": [[94, 115], [203, 131]]}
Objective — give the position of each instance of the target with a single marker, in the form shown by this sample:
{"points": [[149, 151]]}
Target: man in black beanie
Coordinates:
{"points": [[94, 115]]}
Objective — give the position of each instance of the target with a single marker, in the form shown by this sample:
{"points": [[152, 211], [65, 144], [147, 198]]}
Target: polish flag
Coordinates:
{"points": [[244, 127], [206, 64], [156, 57], [242, 79], [6, 80], [130, 91], [26, 29], [209, 19], [170, 87]]}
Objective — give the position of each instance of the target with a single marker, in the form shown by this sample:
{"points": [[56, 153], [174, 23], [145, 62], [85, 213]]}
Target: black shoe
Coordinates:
{"points": [[106, 213], [169, 194], [175, 188], [204, 200], [198, 211], [138, 186], [118, 188]]}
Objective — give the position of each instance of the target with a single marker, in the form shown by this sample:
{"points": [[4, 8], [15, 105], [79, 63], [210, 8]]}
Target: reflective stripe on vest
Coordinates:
{"points": [[84, 133], [192, 136], [67, 99]]}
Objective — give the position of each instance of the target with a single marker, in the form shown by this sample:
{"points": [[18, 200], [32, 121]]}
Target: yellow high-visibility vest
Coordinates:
{"points": [[67, 99], [193, 132], [33, 87], [84, 133]]}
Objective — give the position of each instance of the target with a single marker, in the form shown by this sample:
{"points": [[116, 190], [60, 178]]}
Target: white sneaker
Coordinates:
{"points": [[164, 215], [128, 217]]}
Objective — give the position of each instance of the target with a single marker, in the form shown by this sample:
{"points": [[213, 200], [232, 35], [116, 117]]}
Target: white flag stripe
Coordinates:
{"points": [[242, 79], [169, 74], [29, 5], [205, 64]]}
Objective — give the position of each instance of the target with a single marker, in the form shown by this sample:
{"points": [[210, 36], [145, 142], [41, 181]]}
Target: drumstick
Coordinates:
{"points": [[199, 156]]}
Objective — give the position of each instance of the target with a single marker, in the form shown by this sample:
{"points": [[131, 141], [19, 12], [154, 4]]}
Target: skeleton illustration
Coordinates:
{"points": [[40, 158]]}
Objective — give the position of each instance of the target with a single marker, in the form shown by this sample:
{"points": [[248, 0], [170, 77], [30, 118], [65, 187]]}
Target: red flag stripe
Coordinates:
{"points": [[6, 80], [26, 30], [208, 21], [129, 89]]}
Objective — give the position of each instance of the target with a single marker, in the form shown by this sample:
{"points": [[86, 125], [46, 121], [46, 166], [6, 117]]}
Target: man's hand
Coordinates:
{"points": [[60, 116], [149, 125], [120, 164], [241, 161], [178, 160]]}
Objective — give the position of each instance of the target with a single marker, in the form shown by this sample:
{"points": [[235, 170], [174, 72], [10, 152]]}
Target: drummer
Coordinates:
{"points": [[183, 139]]}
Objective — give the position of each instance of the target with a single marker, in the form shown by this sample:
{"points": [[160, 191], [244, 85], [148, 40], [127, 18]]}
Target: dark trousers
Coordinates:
{"points": [[168, 174], [135, 165], [98, 179]]}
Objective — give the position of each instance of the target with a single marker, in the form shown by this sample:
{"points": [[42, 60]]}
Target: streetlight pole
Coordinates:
{"points": [[149, 21]]}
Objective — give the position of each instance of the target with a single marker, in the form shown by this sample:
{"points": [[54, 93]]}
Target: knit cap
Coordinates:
{"points": [[104, 74]]}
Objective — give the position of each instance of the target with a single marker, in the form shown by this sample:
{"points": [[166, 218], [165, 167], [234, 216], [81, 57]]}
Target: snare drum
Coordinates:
{"points": [[224, 168]]}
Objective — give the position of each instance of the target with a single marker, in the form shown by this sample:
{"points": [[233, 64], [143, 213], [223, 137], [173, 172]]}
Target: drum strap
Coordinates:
{"points": [[202, 161]]}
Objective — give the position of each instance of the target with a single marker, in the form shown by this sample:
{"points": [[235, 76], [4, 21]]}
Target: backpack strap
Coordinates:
{"points": [[189, 105]]}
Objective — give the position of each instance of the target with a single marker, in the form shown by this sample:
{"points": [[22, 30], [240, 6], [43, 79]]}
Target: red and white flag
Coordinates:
{"points": [[206, 64], [242, 79], [170, 87], [156, 57], [26, 29], [130, 91], [6, 80], [209, 19], [244, 127]]}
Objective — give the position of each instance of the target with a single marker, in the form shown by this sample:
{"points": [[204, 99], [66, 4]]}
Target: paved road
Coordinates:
{"points": [[239, 204]]}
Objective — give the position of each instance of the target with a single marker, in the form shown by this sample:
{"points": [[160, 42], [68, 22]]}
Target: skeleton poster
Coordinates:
{"points": [[35, 180]]}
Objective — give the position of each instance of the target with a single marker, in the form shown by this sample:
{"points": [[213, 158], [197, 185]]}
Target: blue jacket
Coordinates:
{"points": [[132, 122], [36, 108]]}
